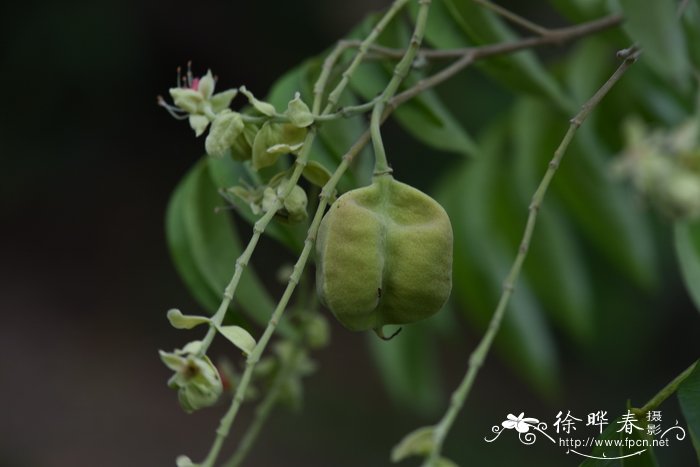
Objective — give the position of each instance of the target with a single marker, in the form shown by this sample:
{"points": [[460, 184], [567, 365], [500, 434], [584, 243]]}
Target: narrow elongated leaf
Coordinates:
{"points": [[655, 28], [212, 247], [687, 242], [689, 399], [521, 71], [605, 212], [180, 251], [580, 10]]}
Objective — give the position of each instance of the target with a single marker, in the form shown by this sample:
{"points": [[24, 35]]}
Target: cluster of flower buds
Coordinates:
{"points": [[258, 136], [664, 165]]}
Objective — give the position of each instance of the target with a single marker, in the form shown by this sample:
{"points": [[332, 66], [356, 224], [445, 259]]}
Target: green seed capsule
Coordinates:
{"points": [[384, 256]]}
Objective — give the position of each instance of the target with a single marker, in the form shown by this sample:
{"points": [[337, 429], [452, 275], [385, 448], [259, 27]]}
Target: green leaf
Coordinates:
{"points": [[580, 10], [210, 246], [180, 321], [691, 26], [521, 71], [655, 28], [689, 399], [238, 337], [417, 443], [408, 366], [181, 253], [604, 210], [687, 242]]}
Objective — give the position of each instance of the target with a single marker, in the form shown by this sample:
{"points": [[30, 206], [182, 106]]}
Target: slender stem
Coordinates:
{"points": [[478, 356], [666, 392], [230, 290], [553, 36], [513, 18], [265, 407], [465, 56], [381, 166], [362, 51]]}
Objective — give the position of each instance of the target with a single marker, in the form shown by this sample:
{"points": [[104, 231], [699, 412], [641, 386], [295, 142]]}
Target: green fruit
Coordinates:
{"points": [[384, 256]]}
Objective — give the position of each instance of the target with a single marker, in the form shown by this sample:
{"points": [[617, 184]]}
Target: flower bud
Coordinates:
{"points": [[224, 131]]}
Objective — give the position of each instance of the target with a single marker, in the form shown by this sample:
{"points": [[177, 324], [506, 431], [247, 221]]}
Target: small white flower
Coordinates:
{"points": [[521, 425]]}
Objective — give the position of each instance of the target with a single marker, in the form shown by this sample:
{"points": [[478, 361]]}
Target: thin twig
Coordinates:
{"points": [[478, 356], [553, 36], [513, 18], [381, 166]]}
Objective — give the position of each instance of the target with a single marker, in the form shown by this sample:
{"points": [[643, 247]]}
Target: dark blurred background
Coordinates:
{"points": [[88, 162]]}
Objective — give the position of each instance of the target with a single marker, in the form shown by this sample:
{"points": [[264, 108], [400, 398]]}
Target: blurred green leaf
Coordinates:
{"points": [[655, 27], [179, 245], [689, 399], [580, 10], [520, 71], [687, 242], [210, 246], [604, 211], [409, 368], [691, 27]]}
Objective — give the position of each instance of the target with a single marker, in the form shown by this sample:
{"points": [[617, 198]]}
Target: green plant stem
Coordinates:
{"points": [[263, 410], [334, 96], [478, 356], [381, 165], [666, 392], [465, 56]]}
